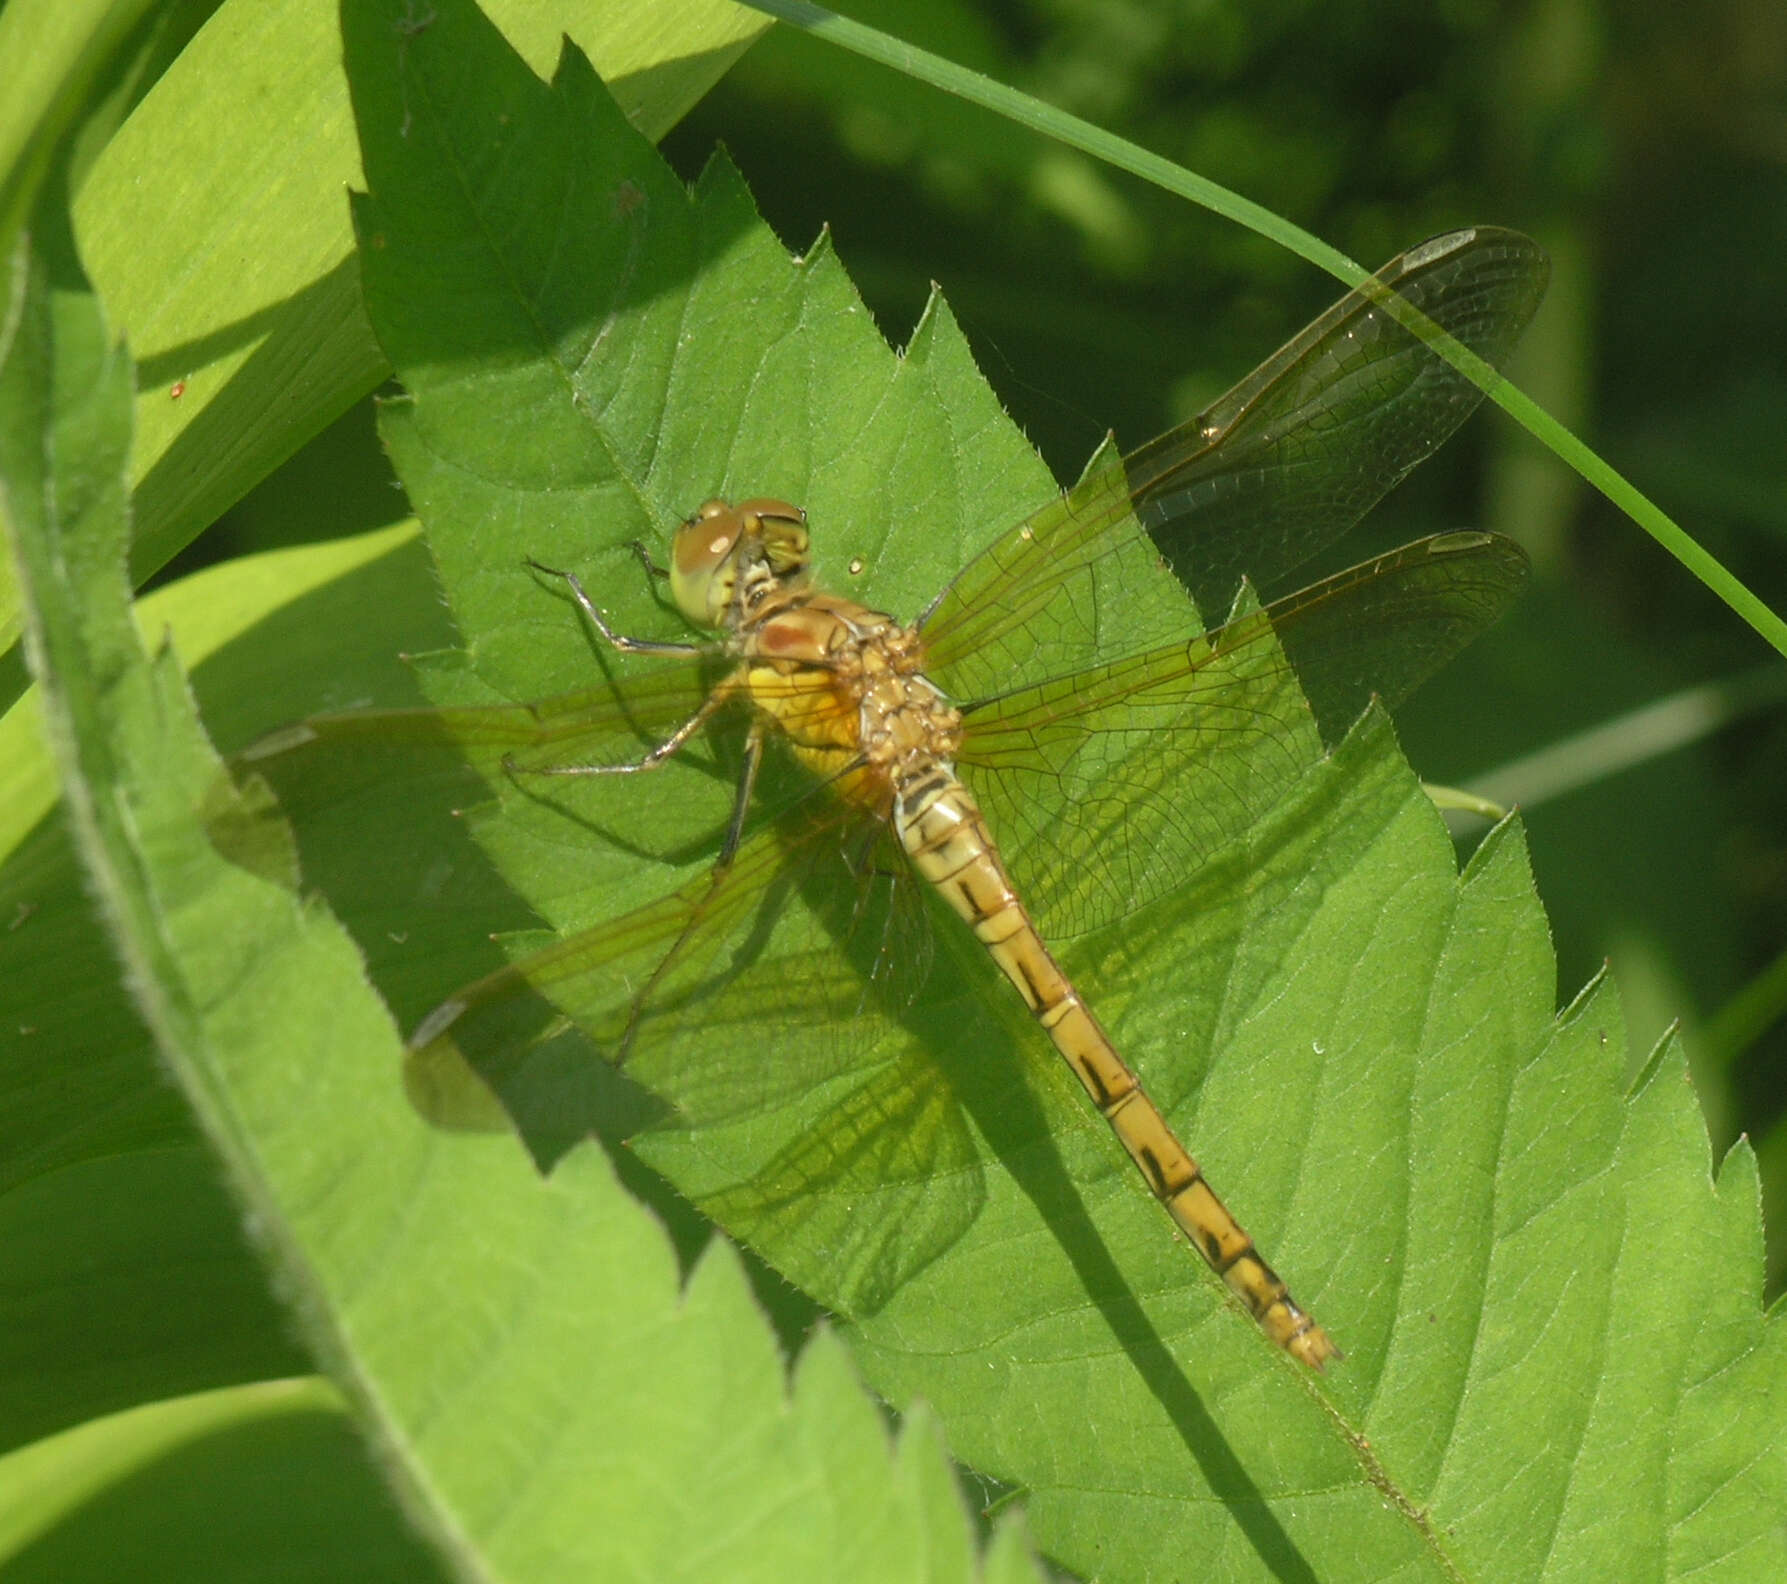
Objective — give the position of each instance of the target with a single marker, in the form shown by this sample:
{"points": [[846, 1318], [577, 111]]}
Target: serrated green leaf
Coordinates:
{"points": [[115, 1222], [500, 1383], [1360, 1044]]}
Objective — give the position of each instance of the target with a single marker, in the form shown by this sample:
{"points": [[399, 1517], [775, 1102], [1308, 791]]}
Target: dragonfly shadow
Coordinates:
{"points": [[547, 792], [989, 1080], [808, 1016], [972, 1067], [375, 834], [370, 821]]}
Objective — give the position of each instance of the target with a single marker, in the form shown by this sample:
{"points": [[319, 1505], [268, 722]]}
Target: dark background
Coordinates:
{"points": [[1644, 143]]}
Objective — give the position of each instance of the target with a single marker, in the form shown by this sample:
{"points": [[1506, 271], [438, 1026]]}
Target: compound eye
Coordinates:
{"points": [[704, 563]]}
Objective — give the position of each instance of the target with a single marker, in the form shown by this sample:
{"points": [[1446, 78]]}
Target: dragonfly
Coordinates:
{"points": [[1039, 785]]}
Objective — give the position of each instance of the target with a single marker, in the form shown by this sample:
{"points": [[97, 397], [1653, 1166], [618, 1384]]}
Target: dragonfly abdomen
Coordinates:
{"points": [[946, 837]]}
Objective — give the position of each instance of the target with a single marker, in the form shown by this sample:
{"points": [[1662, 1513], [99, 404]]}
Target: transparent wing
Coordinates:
{"points": [[777, 1008], [603, 724], [1309, 442], [1278, 468], [1107, 788]]}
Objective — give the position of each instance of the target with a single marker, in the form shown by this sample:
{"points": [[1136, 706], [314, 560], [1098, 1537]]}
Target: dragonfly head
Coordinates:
{"points": [[755, 542]]}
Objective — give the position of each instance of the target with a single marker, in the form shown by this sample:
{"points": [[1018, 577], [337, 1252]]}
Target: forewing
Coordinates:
{"points": [[608, 724], [1296, 453], [1108, 788], [1275, 470]]}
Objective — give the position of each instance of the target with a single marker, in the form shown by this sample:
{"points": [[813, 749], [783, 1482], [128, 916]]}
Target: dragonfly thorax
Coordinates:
{"points": [[908, 728], [845, 686], [726, 560]]}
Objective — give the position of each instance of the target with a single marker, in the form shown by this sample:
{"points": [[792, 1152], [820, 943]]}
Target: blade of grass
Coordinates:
{"points": [[1070, 130]]}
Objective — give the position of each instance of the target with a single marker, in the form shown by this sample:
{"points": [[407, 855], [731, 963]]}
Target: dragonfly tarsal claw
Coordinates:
{"points": [[643, 551]]}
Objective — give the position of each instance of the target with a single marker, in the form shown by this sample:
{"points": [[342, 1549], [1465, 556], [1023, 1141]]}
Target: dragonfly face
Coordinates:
{"points": [[726, 558]]}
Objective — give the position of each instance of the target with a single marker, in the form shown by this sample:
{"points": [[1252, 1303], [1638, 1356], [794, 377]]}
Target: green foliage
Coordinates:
{"points": [[1557, 1365], [1623, 139], [213, 223], [255, 1000]]}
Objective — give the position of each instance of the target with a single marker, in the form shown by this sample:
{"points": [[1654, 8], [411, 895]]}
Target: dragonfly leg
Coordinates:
{"points": [[620, 641], [650, 761], [716, 878], [741, 800], [652, 569]]}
